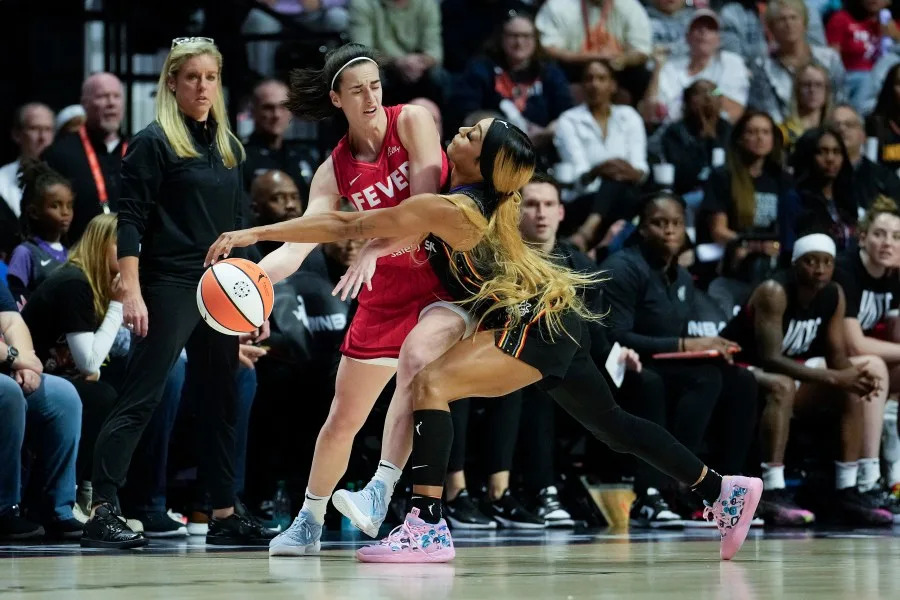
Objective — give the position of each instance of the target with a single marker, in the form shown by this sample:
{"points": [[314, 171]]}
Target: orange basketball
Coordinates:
{"points": [[235, 296]]}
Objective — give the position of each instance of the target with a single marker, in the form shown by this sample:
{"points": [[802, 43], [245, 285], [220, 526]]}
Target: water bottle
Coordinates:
{"points": [[282, 507]]}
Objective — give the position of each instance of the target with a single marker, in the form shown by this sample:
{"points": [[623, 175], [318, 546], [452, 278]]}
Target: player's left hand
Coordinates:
{"points": [[227, 242], [360, 272]]}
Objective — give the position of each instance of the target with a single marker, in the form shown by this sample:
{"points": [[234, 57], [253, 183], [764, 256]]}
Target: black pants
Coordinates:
{"points": [[585, 395], [97, 400], [212, 359], [613, 201], [644, 395], [497, 448]]}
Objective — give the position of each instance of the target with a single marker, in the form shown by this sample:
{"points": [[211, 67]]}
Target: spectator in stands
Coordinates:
{"points": [[884, 122], [869, 179], [92, 158], [48, 407], [266, 147], [32, 132], [872, 292], [650, 299], [731, 289], [47, 207], [669, 20], [704, 60], [618, 31], [811, 103], [407, 34], [468, 24], [74, 317], [750, 195], [772, 83], [274, 198], [603, 152], [793, 329], [743, 31], [823, 174], [689, 143], [70, 119], [516, 79], [856, 33], [317, 15]]}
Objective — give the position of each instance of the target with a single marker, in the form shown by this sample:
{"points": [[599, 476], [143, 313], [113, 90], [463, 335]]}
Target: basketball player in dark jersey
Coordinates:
{"points": [[792, 329], [532, 326]]}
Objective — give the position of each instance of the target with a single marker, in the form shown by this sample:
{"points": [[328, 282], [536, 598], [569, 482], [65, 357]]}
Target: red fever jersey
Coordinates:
{"points": [[404, 282]]}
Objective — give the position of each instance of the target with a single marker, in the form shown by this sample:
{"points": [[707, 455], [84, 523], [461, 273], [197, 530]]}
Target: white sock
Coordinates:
{"points": [[316, 506], [388, 474], [893, 473], [845, 474], [869, 472], [772, 476]]}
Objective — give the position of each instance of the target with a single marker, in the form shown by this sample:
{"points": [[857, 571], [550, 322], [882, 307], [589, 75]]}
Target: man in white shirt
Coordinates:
{"points": [[705, 60], [32, 132]]}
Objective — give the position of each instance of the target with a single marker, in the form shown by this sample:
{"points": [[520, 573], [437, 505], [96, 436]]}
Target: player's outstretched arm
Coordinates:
{"points": [[420, 215]]}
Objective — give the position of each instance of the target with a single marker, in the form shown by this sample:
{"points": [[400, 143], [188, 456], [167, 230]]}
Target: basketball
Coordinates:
{"points": [[235, 296]]}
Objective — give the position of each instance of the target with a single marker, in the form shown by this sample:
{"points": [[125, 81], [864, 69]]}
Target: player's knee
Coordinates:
{"points": [[414, 357], [782, 390], [426, 390], [342, 424]]}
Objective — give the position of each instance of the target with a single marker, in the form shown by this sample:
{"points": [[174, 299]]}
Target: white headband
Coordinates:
{"points": [[347, 64], [815, 242]]}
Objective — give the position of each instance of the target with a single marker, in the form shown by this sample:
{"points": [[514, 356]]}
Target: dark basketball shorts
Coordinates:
{"points": [[532, 341]]}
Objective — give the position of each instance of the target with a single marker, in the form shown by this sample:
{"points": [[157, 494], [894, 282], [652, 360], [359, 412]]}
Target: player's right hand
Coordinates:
{"points": [[360, 272], [857, 380]]}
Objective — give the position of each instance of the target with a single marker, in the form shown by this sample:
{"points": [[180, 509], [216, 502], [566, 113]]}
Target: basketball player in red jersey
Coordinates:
{"points": [[402, 324]]}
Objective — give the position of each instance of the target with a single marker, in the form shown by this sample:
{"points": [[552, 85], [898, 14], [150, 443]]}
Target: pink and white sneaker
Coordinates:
{"points": [[413, 541], [733, 511]]}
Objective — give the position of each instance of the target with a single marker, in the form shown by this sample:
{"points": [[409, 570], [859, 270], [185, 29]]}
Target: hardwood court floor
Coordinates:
{"points": [[856, 565]]}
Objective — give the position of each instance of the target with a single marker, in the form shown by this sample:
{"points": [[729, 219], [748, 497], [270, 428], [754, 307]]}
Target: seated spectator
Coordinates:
{"points": [[266, 147], [872, 292], [669, 20], [316, 15], [884, 122], [517, 80], [869, 179], [650, 299], [810, 104], [100, 142], [48, 408], [407, 34], [47, 206], [32, 132], [274, 198], [772, 83], [694, 143], [468, 24], [603, 152], [736, 280], [793, 329], [617, 31], [74, 316], [823, 173], [751, 195], [705, 60], [70, 119], [856, 33], [743, 31]]}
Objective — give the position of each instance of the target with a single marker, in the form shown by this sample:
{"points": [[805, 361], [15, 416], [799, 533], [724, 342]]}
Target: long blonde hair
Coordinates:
{"points": [[519, 272], [90, 255], [170, 117]]}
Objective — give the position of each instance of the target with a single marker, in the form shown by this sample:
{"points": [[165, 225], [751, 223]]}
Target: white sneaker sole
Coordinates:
{"points": [[518, 524], [461, 525], [345, 506], [296, 550]]}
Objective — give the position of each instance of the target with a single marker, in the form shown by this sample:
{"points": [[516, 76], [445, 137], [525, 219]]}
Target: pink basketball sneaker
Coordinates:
{"points": [[414, 541], [733, 511]]}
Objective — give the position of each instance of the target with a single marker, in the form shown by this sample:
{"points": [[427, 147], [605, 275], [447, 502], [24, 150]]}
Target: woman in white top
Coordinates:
{"points": [[603, 156], [705, 60]]}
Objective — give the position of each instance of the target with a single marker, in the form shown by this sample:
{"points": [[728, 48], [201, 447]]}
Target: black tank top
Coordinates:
{"points": [[805, 328], [461, 273]]}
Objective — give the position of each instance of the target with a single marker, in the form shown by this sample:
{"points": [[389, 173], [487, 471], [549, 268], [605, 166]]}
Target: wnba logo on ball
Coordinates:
{"points": [[235, 296]]}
